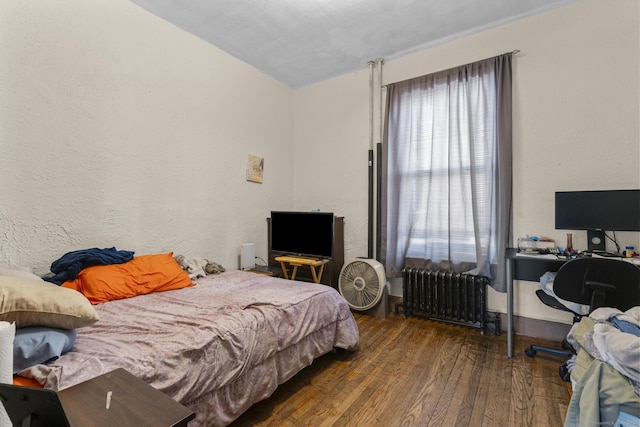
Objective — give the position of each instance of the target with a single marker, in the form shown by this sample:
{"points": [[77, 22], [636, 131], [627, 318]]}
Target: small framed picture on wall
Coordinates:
{"points": [[255, 168]]}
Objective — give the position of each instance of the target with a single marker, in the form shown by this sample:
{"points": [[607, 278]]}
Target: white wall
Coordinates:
{"points": [[576, 111], [119, 129], [331, 154]]}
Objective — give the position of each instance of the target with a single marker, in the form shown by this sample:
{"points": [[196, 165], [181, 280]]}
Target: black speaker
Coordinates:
{"points": [[595, 240]]}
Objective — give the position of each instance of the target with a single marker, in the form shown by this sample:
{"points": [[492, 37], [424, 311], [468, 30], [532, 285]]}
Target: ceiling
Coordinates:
{"points": [[301, 42]]}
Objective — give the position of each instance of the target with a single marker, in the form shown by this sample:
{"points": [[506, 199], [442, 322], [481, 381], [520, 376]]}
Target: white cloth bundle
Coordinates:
{"points": [[7, 335]]}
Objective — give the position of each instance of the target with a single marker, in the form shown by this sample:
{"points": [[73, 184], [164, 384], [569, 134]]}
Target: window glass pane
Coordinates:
{"points": [[449, 136]]}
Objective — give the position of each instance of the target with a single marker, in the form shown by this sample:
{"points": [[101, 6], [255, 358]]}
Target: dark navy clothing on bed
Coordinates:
{"points": [[70, 264]]}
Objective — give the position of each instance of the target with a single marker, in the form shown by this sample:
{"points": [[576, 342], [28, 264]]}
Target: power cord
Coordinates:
{"points": [[615, 242]]}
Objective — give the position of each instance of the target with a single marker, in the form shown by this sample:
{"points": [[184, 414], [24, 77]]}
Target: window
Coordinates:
{"points": [[446, 139]]}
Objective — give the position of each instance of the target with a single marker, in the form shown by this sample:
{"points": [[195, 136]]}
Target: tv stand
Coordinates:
{"points": [[296, 262], [331, 268]]}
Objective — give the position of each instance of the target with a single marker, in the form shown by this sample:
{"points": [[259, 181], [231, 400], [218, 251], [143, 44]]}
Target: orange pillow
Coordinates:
{"points": [[142, 275], [26, 382]]}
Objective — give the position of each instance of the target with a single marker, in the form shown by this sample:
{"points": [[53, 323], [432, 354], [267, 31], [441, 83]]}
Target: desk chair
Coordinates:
{"points": [[596, 282], [32, 407]]}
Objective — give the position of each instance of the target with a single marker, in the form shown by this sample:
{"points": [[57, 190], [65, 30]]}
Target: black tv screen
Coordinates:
{"points": [[607, 210], [302, 233]]}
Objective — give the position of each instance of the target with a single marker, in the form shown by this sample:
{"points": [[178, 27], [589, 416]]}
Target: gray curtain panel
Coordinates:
{"points": [[447, 162]]}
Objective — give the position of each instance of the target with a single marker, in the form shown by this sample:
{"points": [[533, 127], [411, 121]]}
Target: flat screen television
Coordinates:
{"points": [[307, 234], [598, 211]]}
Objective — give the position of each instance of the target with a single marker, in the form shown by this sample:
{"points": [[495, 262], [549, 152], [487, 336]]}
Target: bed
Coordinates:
{"points": [[216, 347]]}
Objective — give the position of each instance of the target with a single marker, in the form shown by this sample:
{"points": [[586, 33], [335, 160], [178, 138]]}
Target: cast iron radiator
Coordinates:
{"points": [[451, 297]]}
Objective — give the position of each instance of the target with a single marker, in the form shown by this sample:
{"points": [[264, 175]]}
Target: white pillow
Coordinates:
{"points": [[30, 301]]}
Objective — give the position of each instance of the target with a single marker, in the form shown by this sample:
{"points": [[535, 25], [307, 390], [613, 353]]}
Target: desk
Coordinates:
{"points": [[296, 262], [528, 268]]}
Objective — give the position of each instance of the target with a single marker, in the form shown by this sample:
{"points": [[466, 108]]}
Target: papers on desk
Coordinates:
{"points": [[633, 260], [538, 256]]}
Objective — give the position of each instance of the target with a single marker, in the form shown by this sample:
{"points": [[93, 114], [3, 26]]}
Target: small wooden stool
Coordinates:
{"points": [[296, 262]]}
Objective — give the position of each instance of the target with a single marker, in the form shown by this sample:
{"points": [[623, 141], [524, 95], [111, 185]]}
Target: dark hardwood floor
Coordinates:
{"points": [[416, 372]]}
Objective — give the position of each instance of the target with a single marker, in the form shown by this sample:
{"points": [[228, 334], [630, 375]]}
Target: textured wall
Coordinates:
{"points": [[118, 129]]}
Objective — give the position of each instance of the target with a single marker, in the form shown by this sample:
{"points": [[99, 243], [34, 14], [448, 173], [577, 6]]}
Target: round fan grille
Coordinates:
{"points": [[361, 283]]}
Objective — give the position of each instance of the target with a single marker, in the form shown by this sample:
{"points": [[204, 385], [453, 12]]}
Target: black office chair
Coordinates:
{"points": [[32, 407], [596, 282]]}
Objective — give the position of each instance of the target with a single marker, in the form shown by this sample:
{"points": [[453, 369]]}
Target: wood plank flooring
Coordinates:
{"points": [[417, 372]]}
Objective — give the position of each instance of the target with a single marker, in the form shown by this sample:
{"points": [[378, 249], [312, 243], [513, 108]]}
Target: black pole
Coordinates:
{"points": [[378, 200], [370, 213]]}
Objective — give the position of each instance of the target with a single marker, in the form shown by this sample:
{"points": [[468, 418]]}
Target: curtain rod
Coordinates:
{"points": [[513, 52]]}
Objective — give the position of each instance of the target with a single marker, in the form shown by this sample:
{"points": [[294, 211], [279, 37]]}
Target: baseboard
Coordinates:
{"points": [[382, 309], [393, 300], [535, 328]]}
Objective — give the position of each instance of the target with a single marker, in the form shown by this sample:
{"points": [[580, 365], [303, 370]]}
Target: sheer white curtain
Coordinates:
{"points": [[446, 199]]}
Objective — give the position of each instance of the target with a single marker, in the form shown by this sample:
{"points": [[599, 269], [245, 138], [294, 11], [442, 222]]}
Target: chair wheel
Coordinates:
{"points": [[564, 373], [529, 351]]}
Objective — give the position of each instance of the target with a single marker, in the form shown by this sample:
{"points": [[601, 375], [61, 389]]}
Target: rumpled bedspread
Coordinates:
{"points": [[217, 347]]}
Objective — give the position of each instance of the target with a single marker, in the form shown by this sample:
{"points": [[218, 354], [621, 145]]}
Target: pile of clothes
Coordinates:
{"points": [[606, 372], [198, 267], [70, 264]]}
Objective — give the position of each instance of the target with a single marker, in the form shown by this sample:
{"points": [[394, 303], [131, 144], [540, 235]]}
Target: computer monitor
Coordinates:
{"points": [[597, 212]]}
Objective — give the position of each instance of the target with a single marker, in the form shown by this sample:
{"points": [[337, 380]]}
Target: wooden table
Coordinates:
{"points": [[132, 403], [296, 262]]}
